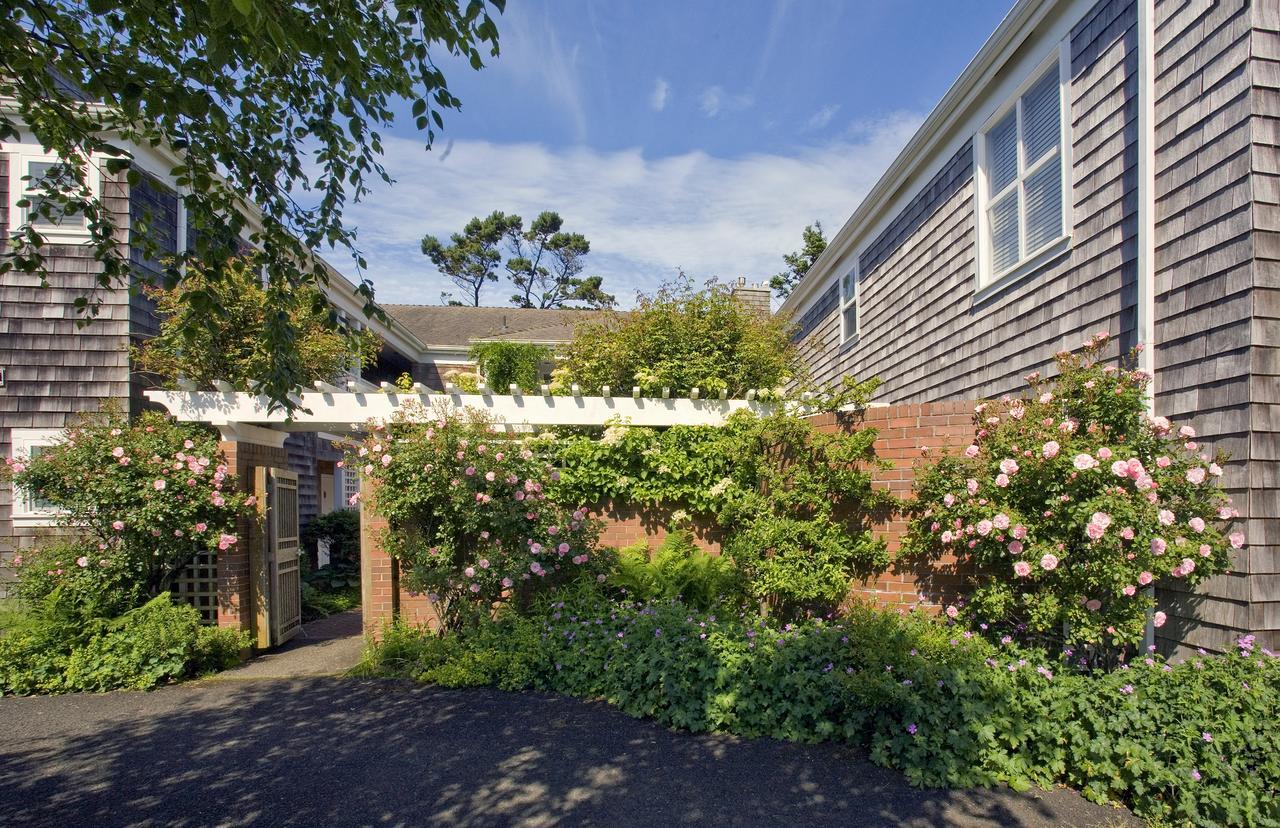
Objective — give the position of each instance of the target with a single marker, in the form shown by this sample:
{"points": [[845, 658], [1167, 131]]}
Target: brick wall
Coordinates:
{"points": [[904, 430], [235, 570]]}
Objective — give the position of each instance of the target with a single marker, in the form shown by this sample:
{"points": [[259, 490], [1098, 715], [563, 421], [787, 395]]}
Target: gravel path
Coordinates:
{"points": [[325, 647], [348, 752]]}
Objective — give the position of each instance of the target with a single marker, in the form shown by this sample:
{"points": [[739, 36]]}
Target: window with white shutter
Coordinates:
{"points": [[1022, 156]]}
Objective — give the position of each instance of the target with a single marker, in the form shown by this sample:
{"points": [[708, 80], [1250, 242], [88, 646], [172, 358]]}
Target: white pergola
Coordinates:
{"points": [[334, 409]]}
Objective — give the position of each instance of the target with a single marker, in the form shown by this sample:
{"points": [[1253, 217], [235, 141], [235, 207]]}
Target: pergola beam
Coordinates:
{"points": [[345, 411]]}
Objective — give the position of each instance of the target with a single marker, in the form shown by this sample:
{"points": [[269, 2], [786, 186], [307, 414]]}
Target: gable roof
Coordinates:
{"points": [[456, 327]]}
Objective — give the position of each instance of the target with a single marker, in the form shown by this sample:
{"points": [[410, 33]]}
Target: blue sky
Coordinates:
{"points": [[697, 135]]}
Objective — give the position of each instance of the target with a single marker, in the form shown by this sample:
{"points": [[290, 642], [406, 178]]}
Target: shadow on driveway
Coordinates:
{"points": [[328, 751]]}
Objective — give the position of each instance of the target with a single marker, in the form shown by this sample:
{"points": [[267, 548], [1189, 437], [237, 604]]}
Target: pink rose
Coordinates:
{"points": [[1049, 562], [1049, 450], [1101, 518], [1019, 531], [1195, 475], [1022, 569], [1002, 480], [971, 451], [1158, 546], [1215, 470], [1163, 462], [1093, 605], [1015, 547], [1094, 531], [1237, 540], [1145, 578], [984, 527], [1165, 517], [952, 612], [117, 525], [1130, 590], [159, 485], [1127, 533], [1001, 521], [948, 499], [1104, 453], [1205, 551], [1158, 619], [1196, 524], [971, 485], [1187, 431], [1084, 462], [1143, 482], [1120, 468]]}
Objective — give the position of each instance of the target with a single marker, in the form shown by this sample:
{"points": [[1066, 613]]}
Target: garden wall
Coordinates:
{"points": [[904, 431]]}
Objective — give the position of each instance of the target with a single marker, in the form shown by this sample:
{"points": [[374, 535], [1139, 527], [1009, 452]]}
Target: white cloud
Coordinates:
{"points": [[822, 117], [645, 217], [658, 98], [534, 56], [715, 100]]}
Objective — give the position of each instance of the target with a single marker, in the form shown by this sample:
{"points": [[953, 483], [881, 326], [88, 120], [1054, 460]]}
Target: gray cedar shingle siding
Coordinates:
{"points": [[818, 312], [56, 370], [1204, 276], [923, 333]]}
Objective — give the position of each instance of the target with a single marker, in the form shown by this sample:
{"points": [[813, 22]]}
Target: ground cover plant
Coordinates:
{"points": [[135, 504], [1187, 743], [1073, 501]]}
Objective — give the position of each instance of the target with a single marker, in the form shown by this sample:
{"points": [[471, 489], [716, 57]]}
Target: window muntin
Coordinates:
{"points": [[1022, 211], [849, 305], [41, 177]]}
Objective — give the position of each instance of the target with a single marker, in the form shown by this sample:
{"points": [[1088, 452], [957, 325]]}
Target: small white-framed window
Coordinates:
{"points": [[849, 304], [1023, 159], [29, 176], [26, 443], [350, 487]]}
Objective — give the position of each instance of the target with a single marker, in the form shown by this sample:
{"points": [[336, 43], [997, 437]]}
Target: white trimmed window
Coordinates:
{"points": [[1023, 157], [849, 305], [29, 174], [26, 443], [350, 487]]}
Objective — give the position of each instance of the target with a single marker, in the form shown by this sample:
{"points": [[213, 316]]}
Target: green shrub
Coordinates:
{"points": [[794, 505], [1073, 501], [1192, 743], [341, 529], [147, 646], [679, 569], [506, 363]]}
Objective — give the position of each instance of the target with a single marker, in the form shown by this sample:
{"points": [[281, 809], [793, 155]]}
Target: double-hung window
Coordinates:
{"points": [[33, 177], [27, 443], [849, 305], [1022, 194]]}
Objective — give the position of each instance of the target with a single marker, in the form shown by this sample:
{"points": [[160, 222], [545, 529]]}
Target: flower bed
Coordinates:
{"points": [[1195, 742]]}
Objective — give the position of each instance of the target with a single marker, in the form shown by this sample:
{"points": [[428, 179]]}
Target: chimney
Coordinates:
{"points": [[753, 296]]}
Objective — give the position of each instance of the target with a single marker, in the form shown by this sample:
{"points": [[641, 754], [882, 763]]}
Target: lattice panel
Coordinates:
{"points": [[198, 586]]}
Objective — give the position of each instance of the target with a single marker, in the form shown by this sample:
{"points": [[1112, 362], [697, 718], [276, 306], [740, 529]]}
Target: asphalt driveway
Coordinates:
{"points": [[347, 752]]}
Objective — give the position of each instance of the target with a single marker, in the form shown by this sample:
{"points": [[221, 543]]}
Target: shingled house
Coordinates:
{"points": [[1101, 165]]}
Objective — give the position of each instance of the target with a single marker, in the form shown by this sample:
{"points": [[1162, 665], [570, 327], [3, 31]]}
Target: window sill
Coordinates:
{"points": [[848, 343], [22, 521], [1030, 266]]}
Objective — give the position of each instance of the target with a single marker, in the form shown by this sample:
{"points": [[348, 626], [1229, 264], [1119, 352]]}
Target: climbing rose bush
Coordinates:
{"points": [[470, 521], [1072, 501], [141, 499]]}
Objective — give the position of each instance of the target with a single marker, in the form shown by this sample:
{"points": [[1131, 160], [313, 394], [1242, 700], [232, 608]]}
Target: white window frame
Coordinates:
{"points": [[21, 441], [20, 161], [1030, 260], [847, 301]]}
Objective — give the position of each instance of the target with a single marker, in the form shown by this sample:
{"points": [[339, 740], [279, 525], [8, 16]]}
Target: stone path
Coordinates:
{"points": [[353, 752], [326, 647]]}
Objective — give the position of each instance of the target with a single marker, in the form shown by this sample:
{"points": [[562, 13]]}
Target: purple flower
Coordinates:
{"points": [[911, 728]]}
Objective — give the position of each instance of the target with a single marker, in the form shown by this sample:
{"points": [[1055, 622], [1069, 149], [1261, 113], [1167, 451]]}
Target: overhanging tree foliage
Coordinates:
{"points": [[270, 113], [813, 242]]}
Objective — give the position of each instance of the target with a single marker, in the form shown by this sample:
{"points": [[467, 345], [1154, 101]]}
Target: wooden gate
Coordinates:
{"points": [[285, 610]]}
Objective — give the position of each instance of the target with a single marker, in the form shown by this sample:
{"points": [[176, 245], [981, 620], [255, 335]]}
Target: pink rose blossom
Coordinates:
{"points": [[159, 485], [971, 485], [1015, 547], [1205, 551], [1215, 470], [1009, 466], [1145, 578], [1165, 517], [1158, 619], [1130, 590], [984, 527], [1049, 562], [1022, 569], [117, 525], [1002, 480], [971, 451], [952, 612], [1196, 524], [1187, 431], [1237, 540], [1127, 533], [1195, 475], [1094, 531], [1093, 605], [1019, 531], [1084, 462], [1158, 546], [1049, 450], [949, 499], [1000, 521]]}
